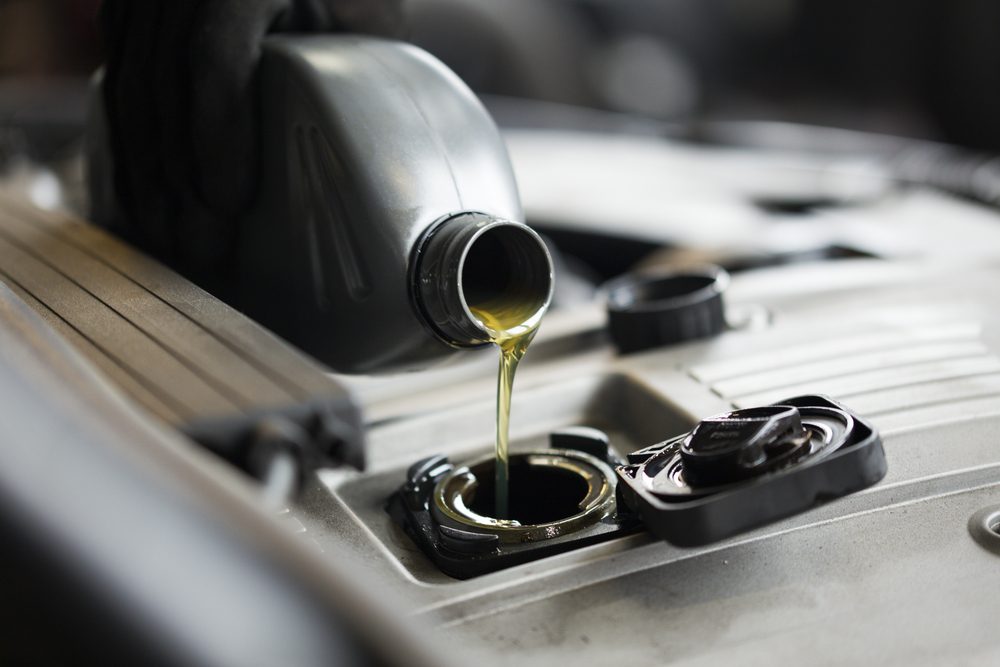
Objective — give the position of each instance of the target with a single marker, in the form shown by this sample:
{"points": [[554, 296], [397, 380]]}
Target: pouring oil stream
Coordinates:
{"points": [[511, 325]]}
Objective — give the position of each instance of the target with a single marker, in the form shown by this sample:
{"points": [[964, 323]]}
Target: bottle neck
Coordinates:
{"points": [[473, 260]]}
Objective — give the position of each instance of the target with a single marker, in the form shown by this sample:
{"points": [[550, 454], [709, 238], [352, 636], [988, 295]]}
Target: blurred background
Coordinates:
{"points": [[48, 50], [692, 71], [908, 67]]}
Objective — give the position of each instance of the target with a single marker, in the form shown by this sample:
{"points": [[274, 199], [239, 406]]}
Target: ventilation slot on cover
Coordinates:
{"points": [[902, 377]]}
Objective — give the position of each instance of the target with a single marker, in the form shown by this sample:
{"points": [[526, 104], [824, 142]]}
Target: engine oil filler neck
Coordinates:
{"points": [[552, 493], [730, 473]]}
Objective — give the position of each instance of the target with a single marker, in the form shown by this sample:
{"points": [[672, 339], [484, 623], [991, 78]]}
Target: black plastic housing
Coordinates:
{"points": [[369, 143], [855, 461], [366, 144], [841, 453], [464, 553], [649, 311]]}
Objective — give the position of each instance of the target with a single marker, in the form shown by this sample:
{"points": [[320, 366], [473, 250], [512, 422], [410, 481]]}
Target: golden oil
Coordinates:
{"points": [[511, 325]]}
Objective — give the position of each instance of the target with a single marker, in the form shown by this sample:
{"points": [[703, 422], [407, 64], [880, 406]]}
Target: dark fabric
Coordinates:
{"points": [[181, 106]]}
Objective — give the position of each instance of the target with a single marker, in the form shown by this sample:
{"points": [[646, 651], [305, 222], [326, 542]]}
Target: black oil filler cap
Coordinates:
{"points": [[654, 310], [746, 468]]}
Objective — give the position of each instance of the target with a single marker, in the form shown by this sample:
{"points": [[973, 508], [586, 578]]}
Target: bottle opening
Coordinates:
{"points": [[506, 274], [472, 265]]}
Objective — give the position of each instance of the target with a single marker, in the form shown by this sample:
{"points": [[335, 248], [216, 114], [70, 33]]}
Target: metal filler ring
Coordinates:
{"points": [[453, 495]]}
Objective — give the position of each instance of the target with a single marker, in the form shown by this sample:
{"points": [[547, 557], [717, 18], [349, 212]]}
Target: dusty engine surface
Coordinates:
{"points": [[887, 305], [894, 573], [258, 261]]}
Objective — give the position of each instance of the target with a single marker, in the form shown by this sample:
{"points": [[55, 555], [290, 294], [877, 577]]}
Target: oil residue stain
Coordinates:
{"points": [[511, 325]]}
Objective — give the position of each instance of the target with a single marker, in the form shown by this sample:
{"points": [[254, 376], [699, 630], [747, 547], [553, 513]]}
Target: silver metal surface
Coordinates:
{"points": [[901, 573], [891, 574]]}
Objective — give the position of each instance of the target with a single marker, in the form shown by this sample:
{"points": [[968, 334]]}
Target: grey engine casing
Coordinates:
{"points": [[892, 574], [903, 572], [365, 144]]}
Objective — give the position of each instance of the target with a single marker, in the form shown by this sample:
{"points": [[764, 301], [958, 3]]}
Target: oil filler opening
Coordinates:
{"points": [[538, 494], [552, 493]]}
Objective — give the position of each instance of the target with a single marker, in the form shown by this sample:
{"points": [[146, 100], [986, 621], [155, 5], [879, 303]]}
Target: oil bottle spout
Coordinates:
{"points": [[475, 274]]}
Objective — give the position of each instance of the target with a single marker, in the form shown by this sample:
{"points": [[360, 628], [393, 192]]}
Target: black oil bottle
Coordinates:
{"points": [[386, 203]]}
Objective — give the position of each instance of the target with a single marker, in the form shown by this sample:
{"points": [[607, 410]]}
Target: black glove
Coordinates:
{"points": [[179, 93]]}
